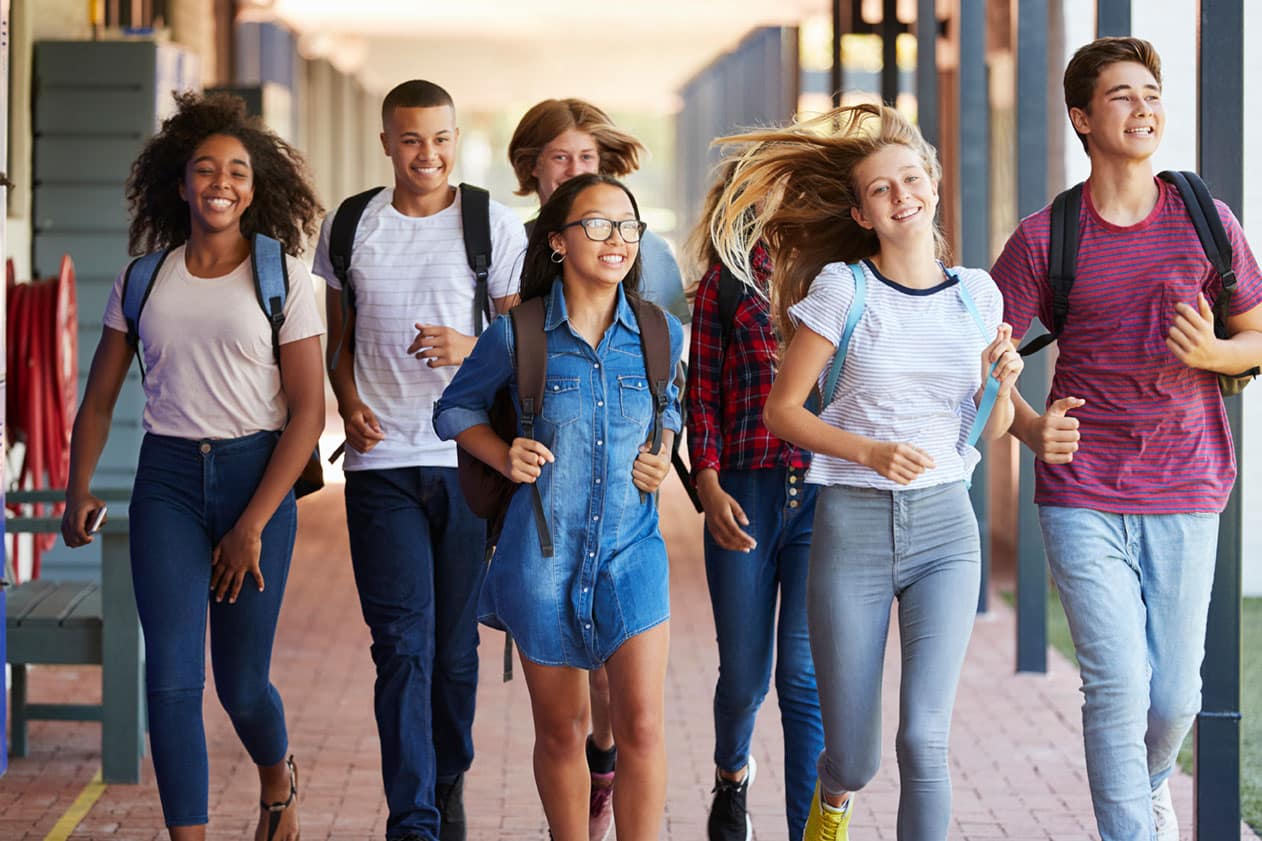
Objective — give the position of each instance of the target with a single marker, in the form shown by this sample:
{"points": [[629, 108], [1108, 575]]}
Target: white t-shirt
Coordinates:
{"points": [[209, 367], [911, 370], [409, 270]]}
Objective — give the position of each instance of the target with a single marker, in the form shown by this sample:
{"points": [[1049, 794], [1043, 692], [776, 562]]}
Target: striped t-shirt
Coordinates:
{"points": [[911, 372], [1154, 431], [407, 270]]}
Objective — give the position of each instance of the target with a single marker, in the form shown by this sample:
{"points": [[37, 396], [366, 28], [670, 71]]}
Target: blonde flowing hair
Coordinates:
{"points": [[699, 250], [793, 188]]}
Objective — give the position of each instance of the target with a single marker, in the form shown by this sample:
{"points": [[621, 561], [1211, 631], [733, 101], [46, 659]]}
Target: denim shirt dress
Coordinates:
{"points": [[608, 579]]}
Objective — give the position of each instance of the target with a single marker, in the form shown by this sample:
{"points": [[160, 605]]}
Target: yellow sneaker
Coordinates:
{"points": [[826, 823]]}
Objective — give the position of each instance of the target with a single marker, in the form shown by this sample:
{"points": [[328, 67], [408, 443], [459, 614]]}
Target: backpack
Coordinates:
{"points": [[475, 224], [486, 490], [271, 287], [1062, 258]]}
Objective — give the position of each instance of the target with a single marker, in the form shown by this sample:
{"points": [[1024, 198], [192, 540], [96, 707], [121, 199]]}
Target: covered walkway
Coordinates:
{"points": [[1016, 743]]}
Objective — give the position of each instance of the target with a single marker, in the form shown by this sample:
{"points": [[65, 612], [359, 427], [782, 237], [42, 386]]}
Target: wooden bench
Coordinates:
{"points": [[81, 622]]}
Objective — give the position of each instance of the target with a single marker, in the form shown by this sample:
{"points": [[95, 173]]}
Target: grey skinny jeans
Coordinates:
{"points": [[871, 546]]}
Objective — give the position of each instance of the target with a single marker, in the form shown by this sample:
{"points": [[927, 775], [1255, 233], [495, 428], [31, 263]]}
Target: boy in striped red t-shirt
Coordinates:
{"points": [[1135, 457]]}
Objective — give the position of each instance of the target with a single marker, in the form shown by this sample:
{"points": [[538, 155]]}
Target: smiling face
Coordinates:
{"points": [[570, 153], [1125, 117], [897, 196], [218, 184], [602, 263], [421, 145]]}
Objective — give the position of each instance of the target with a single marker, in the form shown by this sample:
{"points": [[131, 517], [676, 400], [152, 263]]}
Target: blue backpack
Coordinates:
{"points": [[271, 287]]}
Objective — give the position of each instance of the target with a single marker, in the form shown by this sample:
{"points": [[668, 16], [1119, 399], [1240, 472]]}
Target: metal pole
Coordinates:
{"points": [[1220, 154], [927, 69], [1032, 156], [974, 188], [834, 74], [1112, 17], [889, 52]]}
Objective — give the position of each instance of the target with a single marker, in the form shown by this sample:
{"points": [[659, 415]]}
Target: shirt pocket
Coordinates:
{"points": [[562, 400], [636, 399]]}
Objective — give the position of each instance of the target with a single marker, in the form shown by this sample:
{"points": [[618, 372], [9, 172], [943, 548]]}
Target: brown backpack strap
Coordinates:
{"points": [[655, 345], [531, 350]]}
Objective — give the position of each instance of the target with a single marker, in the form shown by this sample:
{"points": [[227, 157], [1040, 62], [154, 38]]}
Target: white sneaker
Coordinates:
{"points": [[1163, 816]]}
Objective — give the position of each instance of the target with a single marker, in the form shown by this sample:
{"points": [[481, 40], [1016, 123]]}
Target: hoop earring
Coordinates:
{"points": [[557, 257]]}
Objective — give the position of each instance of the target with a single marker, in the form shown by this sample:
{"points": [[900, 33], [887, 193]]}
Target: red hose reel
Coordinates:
{"points": [[43, 380]]}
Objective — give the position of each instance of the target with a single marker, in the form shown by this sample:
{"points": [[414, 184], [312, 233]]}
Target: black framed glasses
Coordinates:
{"points": [[600, 230]]}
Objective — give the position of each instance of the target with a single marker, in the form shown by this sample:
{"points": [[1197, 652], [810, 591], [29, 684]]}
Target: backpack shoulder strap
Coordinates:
{"points": [[137, 285], [1209, 226], [531, 352], [990, 390], [655, 346], [342, 233], [857, 305], [1062, 260], [271, 284], [731, 292], [475, 221]]}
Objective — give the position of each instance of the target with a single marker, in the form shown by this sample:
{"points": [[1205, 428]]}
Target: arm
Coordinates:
{"points": [[788, 419], [1002, 354], [91, 430], [303, 383], [363, 432], [1191, 338]]}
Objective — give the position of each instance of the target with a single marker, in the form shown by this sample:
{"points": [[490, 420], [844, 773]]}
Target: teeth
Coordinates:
{"points": [[612, 259], [219, 204], [428, 170]]}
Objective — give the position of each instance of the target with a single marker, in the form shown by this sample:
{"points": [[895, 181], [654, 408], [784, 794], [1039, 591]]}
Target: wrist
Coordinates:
{"points": [[706, 478]]}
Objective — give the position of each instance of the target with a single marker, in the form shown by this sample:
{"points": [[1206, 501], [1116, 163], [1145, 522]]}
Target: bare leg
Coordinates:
{"points": [[637, 679], [274, 787], [602, 729], [188, 833], [559, 704]]}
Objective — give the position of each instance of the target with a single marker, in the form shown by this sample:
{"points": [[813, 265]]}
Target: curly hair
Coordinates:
{"points": [[793, 189], [538, 271], [619, 152], [285, 205]]}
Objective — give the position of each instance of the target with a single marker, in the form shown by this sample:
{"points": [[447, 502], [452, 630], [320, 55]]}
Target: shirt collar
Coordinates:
{"points": [[557, 313]]}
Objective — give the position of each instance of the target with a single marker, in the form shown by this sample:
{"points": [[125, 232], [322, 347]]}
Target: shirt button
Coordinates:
{"points": [[600, 443], [584, 589], [587, 625], [597, 517], [590, 555], [205, 448], [597, 365], [600, 402], [556, 388], [598, 481]]}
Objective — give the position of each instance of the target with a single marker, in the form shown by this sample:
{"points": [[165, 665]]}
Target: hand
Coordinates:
{"points": [[362, 430], [1054, 436], [236, 556], [1002, 353], [526, 458], [649, 471], [440, 345], [723, 514], [900, 463], [1191, 336], [78, 516]]}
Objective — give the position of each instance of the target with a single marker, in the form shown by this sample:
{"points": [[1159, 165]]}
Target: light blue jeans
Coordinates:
{"points": [[1136, 591], [871, 547]]}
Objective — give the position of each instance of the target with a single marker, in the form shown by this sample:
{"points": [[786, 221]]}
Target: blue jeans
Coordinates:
{"points": [[744, 588], [919, 546], [417, 553], [187, 496], [1136, 592]]}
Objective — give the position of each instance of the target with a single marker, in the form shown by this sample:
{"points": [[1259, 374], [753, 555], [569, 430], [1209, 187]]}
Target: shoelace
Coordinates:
{"points": [[728, 799]]}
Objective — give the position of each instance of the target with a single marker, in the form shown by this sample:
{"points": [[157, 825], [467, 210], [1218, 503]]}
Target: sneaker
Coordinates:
{"points": [[1163, 816], [449, 797], [825, 823], [729, 819], [600, 807]]}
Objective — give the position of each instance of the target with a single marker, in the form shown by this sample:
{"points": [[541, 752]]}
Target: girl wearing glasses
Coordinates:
{"points": [[847, 204], [602, 599]]}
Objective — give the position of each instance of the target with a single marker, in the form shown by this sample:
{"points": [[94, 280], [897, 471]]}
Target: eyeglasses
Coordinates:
{"points": [[600, 230]]}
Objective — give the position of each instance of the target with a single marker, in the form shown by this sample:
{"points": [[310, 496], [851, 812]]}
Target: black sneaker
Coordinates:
{"points": [[449, 797], [729, 820]]}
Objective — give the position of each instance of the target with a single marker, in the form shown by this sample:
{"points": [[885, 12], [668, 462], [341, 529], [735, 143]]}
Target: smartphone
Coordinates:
{"points": [[97, 520]]}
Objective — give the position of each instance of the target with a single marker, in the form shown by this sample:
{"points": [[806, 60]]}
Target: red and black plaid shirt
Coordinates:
{"points": [[726, 393]]}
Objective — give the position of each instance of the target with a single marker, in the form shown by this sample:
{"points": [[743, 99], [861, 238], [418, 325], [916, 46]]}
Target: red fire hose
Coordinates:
{"points": [[43, 374]]}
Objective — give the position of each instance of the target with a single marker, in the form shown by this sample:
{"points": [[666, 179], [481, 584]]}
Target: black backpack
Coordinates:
{"points": [[475, 223], [1062, 259]]}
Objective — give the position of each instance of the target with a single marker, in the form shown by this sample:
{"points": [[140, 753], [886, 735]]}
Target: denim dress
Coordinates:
{"points": [[608, 579]]}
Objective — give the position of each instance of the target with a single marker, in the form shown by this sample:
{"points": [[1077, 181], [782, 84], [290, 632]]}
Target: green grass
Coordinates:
{"points": [[1250, 695]]}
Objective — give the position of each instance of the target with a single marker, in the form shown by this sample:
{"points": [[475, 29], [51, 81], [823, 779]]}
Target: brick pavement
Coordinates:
{"points": [[1016, 751]]}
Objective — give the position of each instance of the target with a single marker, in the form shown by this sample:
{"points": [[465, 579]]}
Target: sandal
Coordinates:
{"points": [[275, 810]]}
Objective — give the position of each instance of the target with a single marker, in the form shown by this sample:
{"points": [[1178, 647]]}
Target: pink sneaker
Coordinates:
{"points": [[600, 810]]}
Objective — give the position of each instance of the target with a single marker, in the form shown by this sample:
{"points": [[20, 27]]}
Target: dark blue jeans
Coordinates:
{"points": [[744, 590], [187, 496], [417, 552]]}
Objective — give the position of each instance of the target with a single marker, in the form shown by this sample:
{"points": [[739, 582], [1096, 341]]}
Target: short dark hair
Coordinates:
{"points": [[415, 93], [1084, 68]]}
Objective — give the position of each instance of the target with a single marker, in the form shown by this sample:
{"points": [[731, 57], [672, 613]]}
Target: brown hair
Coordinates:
{"points": [[793, 189], [699, 248], [1084, 69], [548, 120]]}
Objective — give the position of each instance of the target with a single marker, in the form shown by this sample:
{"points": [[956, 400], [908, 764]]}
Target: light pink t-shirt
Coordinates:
{"points": [[209, 367]]}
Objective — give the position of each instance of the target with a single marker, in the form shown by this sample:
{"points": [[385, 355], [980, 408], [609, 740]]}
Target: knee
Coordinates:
{"points": [[560, 737], [242, 699], [403, 637], [736, 698], [848, 773], [638, 730], [1173, 713], [922, 750]]}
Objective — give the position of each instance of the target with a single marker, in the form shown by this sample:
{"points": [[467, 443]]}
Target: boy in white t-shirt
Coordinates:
{"points": [[415, 545]]}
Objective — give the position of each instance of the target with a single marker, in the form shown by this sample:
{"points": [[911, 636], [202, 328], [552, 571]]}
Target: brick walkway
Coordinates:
{"points": [[1016, 746]]}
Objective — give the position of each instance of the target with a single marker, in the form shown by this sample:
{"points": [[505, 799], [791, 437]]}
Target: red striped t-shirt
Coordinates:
{"points": [[1154, 431]]}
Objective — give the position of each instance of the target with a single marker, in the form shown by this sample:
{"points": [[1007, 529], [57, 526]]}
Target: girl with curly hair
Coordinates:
{"points": [[228, 432], [846, 205]]}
